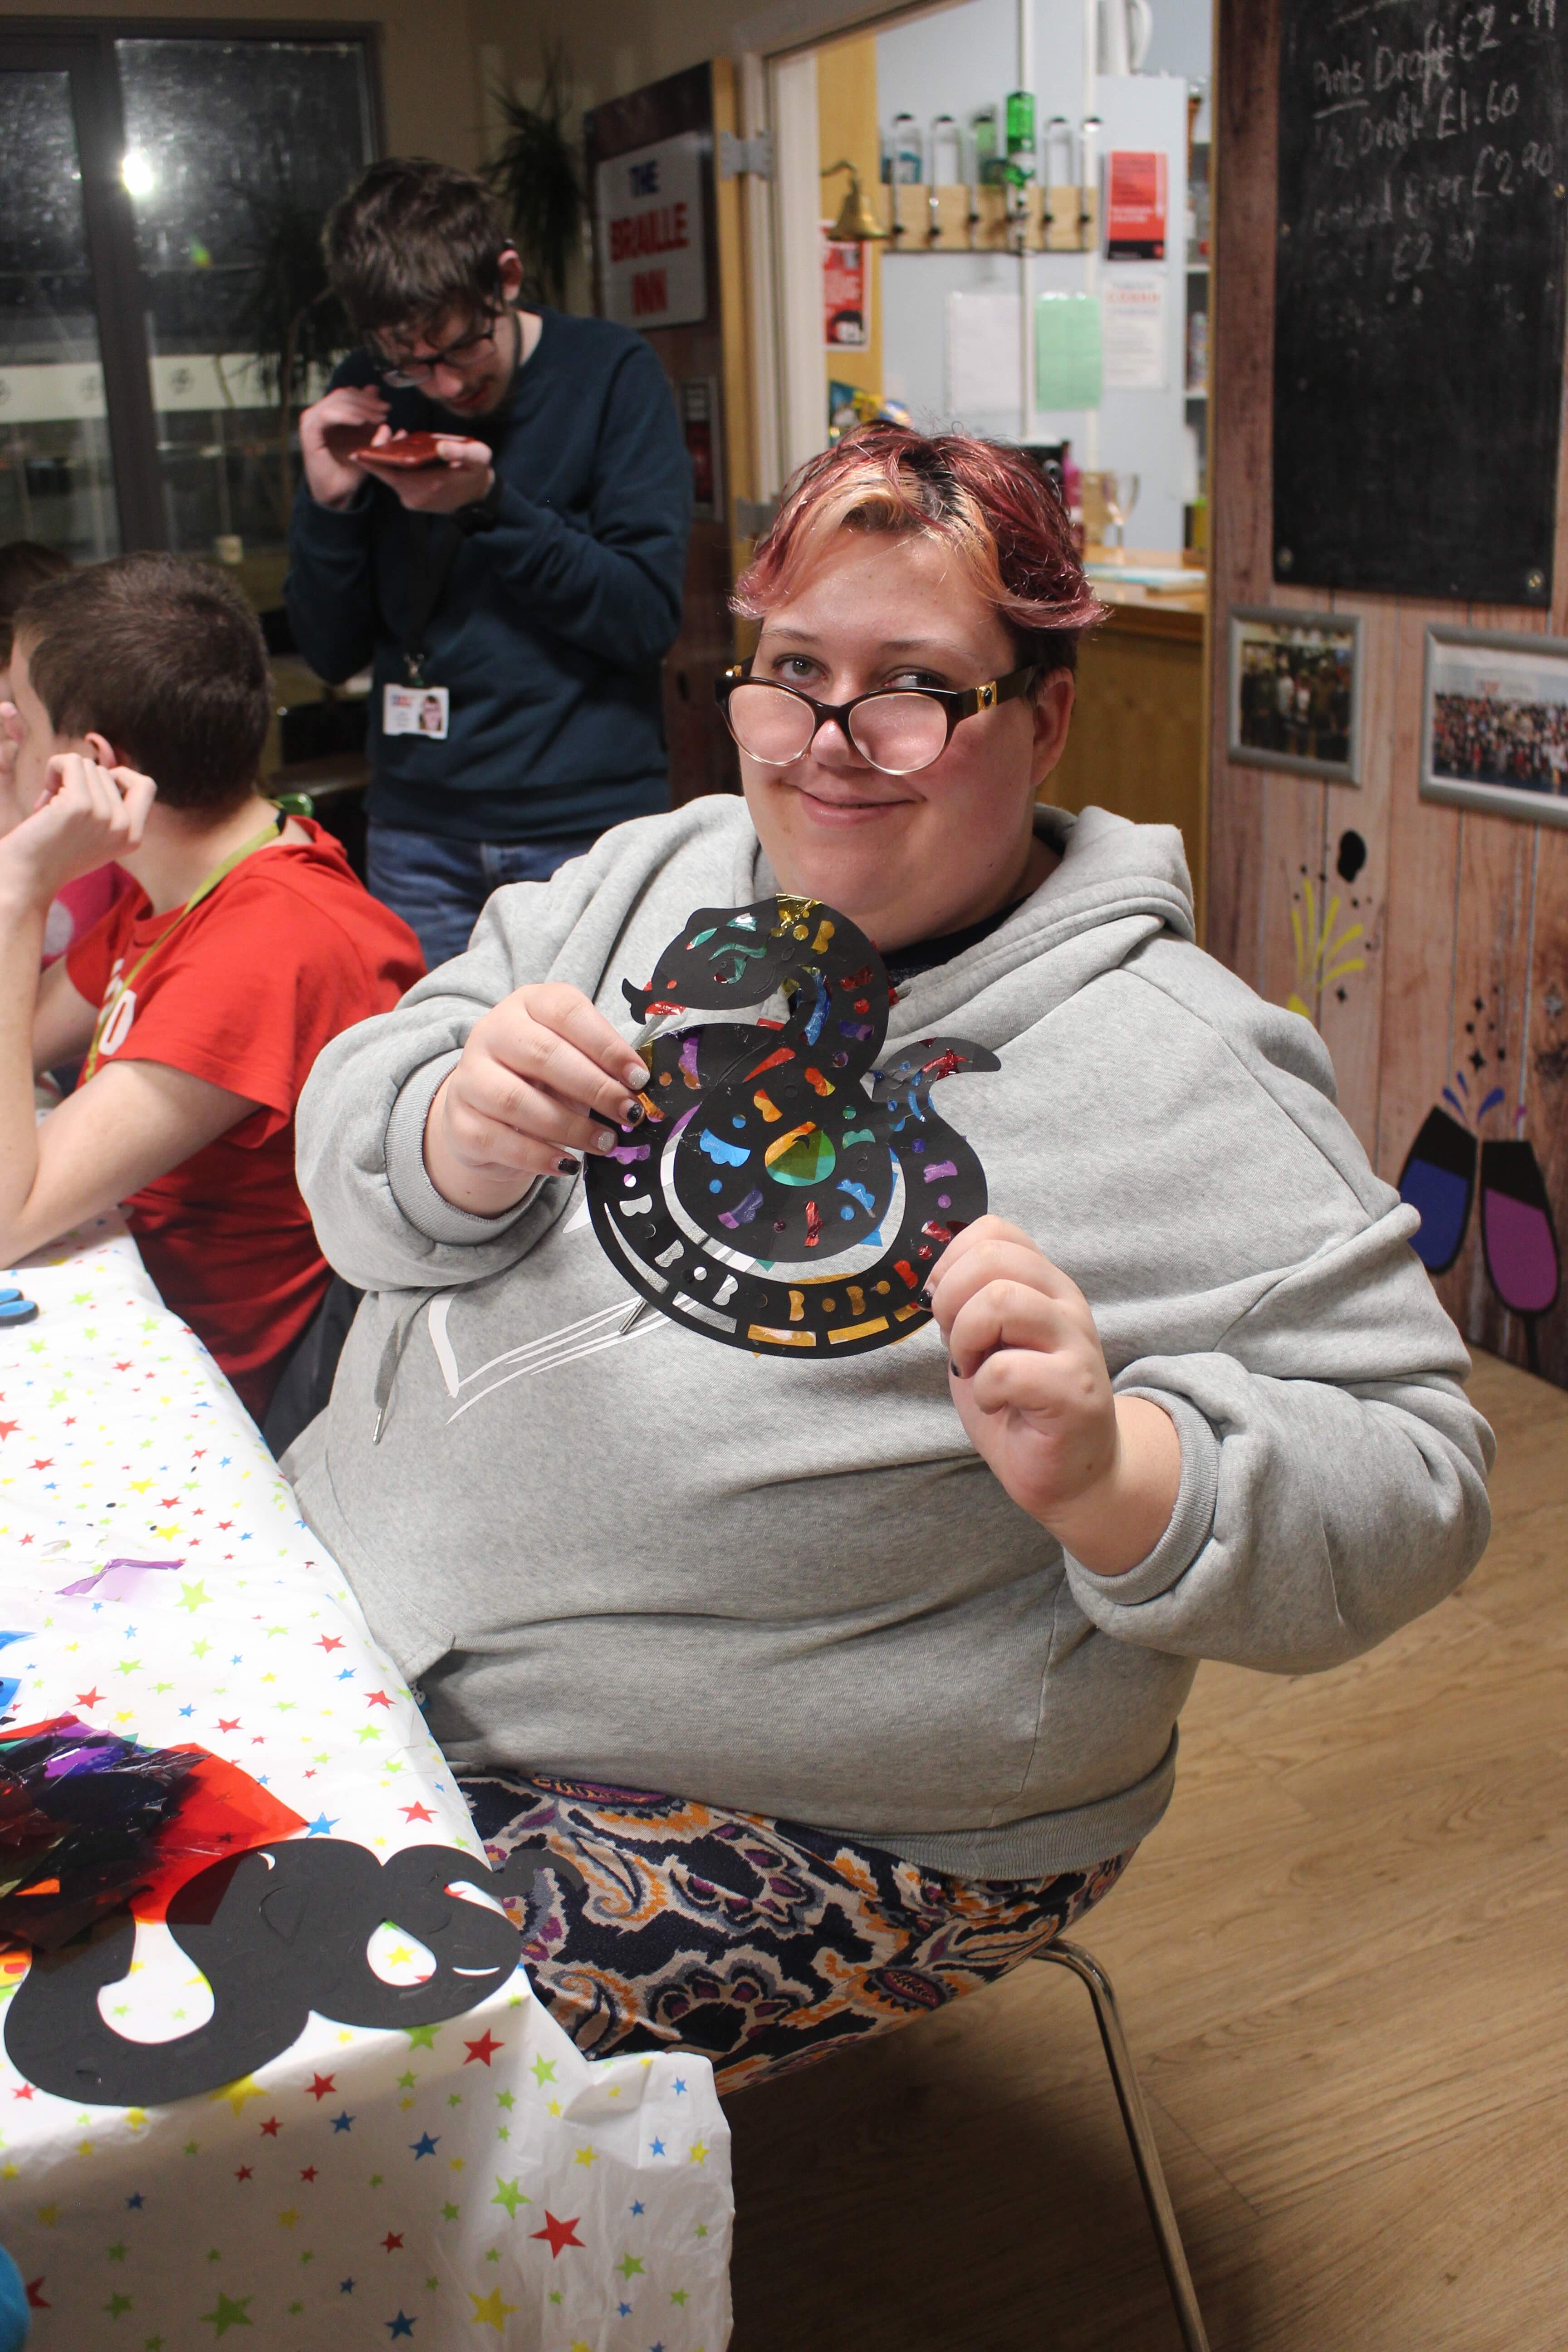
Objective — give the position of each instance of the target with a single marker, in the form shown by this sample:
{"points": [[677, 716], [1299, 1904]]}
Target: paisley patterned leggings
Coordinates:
{"points": [[763, 1944]]}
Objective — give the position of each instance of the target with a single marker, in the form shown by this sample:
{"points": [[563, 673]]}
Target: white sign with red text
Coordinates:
{"points": [[652, 265]]}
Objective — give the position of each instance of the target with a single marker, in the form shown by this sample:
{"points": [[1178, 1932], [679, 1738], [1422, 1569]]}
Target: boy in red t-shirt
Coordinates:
{"points": [[25, 565], [203, 997]]}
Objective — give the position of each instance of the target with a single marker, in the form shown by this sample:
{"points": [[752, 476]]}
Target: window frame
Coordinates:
{"points": [[84, 48]]}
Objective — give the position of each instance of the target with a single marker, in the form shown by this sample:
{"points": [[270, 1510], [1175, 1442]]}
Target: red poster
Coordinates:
{"points": [[1135, 205], [845, 324]]}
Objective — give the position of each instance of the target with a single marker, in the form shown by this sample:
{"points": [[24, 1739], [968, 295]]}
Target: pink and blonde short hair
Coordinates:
{"points": [[990, 506]]}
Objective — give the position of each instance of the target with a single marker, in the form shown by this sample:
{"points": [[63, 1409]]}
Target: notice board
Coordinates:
{"points": [[1421, 242]]}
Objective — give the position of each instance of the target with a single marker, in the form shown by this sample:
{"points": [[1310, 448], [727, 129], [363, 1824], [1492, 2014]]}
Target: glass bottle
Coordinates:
{"points": [[987, 162], [946, 153], [1020, 136], [909, 151]]}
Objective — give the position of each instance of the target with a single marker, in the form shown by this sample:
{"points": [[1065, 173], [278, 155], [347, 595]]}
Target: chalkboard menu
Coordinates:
{"points": [[1423, 233]]}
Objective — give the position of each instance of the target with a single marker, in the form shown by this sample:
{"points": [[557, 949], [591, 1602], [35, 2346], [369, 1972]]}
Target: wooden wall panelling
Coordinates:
{"points": [[1289, 878], [1497, 863], [1137, 738], [1488, 982], [1355, 907], [1247, 71], [1417, 1059], [1545, 1064], [1464, 941], [1270, 823]]}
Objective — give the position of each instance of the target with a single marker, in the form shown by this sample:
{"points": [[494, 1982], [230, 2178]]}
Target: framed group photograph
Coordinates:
{"points": [[1494, 723], [1295, 691]]}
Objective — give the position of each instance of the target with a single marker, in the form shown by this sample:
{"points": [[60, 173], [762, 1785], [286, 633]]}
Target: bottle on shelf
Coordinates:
{"points": [[1020, 165], [988, 162], [907, 151], [946, 153]]}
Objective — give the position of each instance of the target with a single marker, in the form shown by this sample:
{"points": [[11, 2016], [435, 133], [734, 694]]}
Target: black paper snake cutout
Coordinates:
{"points": [[277, 1932], [766, 1146]]}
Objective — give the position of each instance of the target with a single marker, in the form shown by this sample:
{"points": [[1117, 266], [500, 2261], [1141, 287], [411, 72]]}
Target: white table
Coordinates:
{"points": [[470, 2183]]}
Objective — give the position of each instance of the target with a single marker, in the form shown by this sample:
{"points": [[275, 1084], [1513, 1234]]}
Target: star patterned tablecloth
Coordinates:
{"points": [[477, 2182]]}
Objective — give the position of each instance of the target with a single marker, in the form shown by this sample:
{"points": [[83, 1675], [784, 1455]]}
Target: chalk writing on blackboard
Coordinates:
{"points": [[1422, 239]]}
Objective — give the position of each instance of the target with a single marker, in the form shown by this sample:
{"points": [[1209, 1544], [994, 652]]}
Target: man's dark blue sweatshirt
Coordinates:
{"points": [[552, 623]]}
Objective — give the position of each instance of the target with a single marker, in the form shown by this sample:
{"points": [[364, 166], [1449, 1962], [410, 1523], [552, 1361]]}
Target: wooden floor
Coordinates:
{"points": [[1342, 1963]]}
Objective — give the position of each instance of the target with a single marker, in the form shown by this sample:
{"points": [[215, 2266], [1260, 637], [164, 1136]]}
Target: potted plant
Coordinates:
{"points": [[537, 177]]}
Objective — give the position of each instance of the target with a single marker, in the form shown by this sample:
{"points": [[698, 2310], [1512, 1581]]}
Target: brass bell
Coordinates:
{"points": [[856, 222]]}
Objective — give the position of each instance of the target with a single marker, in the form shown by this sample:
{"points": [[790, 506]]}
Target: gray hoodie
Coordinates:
{"points": [[791, 1586]]}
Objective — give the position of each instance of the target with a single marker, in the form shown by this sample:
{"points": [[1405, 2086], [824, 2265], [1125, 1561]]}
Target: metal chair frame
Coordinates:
{"points": [[1140, 2136]]}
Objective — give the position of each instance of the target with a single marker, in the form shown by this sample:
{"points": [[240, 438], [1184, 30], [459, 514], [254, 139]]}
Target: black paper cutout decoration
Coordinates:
{"points": [[277, 1932], [767, 1145]]}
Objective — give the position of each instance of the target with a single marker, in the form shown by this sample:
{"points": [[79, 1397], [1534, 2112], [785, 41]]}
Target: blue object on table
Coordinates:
{"points": [[15, 1309], [14, 2328]]}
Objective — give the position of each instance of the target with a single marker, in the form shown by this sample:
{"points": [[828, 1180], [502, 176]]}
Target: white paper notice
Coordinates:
{"points": [[1133, 330], [984, 364]]}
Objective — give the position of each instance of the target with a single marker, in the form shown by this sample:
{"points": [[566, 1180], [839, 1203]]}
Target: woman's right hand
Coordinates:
{"points": [[521, 1102], [328, 428]]}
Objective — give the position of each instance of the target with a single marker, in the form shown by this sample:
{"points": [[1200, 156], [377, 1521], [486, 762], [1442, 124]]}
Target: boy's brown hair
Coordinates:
{"points": [[413, 242], [25, 565], [163, 657]]}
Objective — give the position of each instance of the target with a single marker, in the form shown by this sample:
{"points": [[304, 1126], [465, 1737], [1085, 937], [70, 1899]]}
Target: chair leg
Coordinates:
{"points": [[1140, 2135]]}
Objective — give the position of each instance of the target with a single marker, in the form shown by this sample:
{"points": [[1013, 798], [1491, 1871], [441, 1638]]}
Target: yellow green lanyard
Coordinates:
{"points": [[204, 890]]}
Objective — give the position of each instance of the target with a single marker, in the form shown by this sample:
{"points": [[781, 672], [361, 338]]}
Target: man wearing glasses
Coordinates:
{"points": [[515, 576]]}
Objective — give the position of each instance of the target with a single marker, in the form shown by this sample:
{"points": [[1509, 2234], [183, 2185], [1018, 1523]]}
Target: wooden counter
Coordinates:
{"points": [[1136, 744]]}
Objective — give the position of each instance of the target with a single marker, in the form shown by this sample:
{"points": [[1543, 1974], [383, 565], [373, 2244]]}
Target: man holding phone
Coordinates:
{"points": [[514, 572]]}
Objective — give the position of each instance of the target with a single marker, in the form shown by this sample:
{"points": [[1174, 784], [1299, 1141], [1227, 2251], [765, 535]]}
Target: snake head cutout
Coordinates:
{"points": [[783, 1193]]}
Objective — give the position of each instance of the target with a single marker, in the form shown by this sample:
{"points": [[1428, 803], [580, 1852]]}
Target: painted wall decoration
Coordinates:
{"points": [[781, 1192], [1324, 939], [1446, 1012]]}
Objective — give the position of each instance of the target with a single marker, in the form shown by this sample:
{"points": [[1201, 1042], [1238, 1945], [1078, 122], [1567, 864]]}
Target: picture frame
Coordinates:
{"points": [[1494, 723], [1294, 691]]}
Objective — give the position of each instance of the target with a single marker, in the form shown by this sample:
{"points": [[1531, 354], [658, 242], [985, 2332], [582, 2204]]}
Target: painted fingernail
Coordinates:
{"points": [[568, 1166], [634, 1075], [952, 1367], [603, 1141], [633, 1115], [925, 1294]]}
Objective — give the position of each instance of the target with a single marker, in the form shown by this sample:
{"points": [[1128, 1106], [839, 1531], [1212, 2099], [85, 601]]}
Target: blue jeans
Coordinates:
{"points": [[438, 886]]}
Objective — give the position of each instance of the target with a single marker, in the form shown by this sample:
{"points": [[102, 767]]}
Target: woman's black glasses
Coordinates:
{"points": [[899, 730]]}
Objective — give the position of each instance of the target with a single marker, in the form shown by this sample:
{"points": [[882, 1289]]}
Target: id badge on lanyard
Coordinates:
{"points": [[416, 708]]}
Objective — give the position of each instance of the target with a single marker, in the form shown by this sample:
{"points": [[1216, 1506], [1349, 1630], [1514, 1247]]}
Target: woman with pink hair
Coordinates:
{"points": [[833, 1623]]}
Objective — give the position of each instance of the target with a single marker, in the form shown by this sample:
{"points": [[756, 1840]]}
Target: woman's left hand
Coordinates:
{"points": [[1029, 1379]]}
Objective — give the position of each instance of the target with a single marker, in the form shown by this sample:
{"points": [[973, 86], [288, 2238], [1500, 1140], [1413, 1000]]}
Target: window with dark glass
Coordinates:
{"points": [[161, 204]]}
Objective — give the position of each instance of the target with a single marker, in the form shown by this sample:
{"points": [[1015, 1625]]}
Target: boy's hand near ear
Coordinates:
{"points": [[11, 733], [1029, 1381], [85, 816]]}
